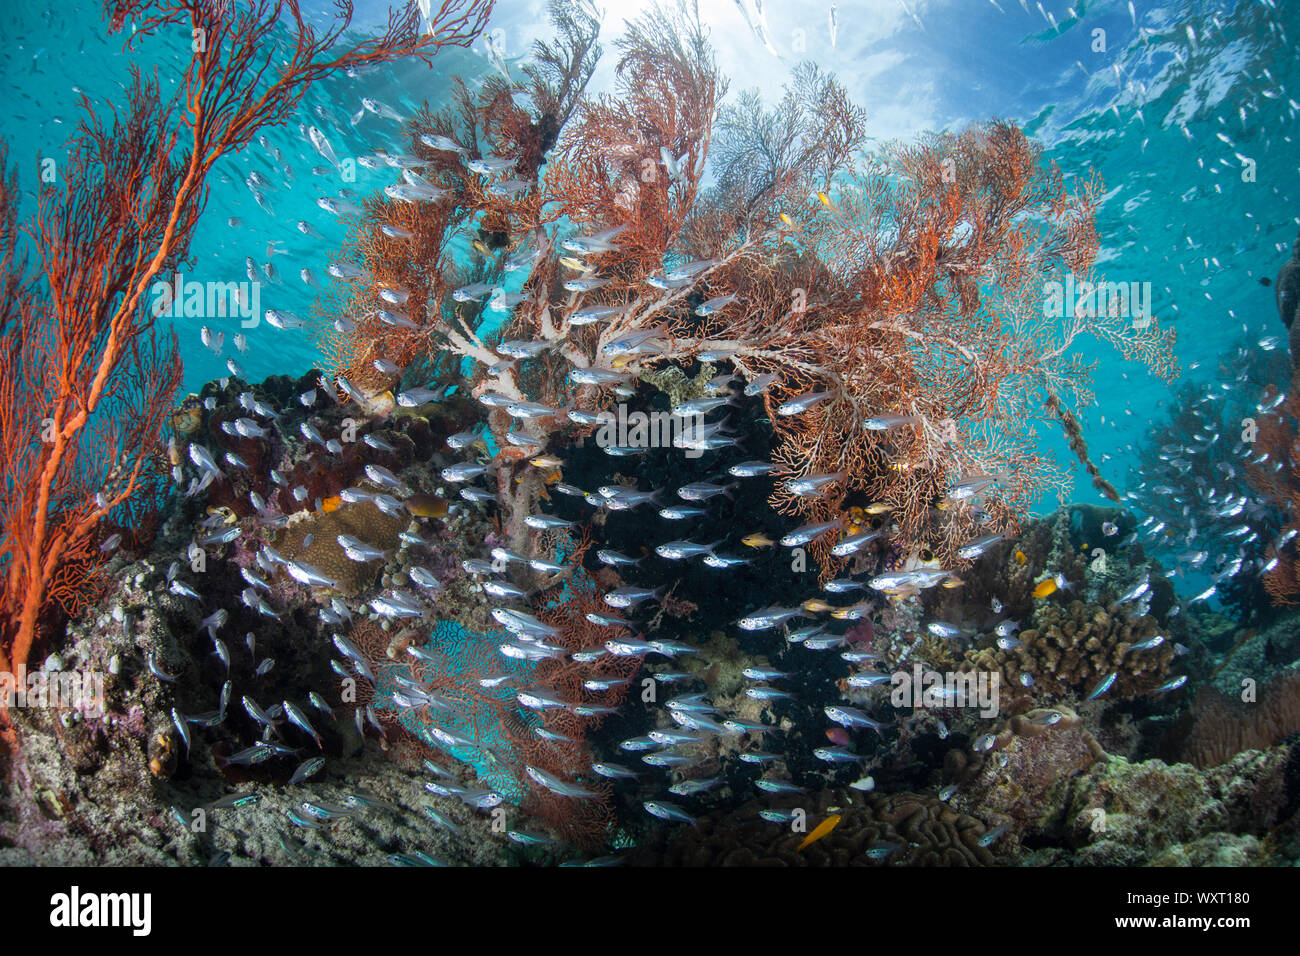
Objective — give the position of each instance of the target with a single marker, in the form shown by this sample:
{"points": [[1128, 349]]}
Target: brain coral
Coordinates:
{"points": [[361, 520], [927, 831]]}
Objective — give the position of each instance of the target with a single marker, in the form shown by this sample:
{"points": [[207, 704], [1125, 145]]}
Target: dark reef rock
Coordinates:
{"points": [[1287, 291], [1287, 288]]}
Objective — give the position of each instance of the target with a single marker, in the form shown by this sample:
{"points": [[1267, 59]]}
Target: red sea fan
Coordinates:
{"points": [[85, 383]]}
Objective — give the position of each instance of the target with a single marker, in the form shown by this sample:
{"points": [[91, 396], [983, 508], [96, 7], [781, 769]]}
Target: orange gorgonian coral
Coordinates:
{"points": [[907, 286]]}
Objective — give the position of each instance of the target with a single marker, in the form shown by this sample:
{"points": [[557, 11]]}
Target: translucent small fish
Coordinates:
{"points": [[945, 630], [713, 305], [441, 143], [1154, 641], [1103, 685], [972, 485], [973, 549], [809, 532], [803, 403], [992, 836], [283, 319], [852, 717], [813, 484], [751, 469], [631, 596], [853, 543], [212, 340], [381, 109], [1172, 685], [888, 422], [306, 769]]}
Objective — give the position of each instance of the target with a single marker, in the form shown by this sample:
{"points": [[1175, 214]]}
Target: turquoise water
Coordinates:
{"points": [[1162, 116], [1185, 113]]}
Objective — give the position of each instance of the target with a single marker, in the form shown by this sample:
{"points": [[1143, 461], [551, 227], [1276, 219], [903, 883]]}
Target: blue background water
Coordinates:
{"points": [[1148, 114]]}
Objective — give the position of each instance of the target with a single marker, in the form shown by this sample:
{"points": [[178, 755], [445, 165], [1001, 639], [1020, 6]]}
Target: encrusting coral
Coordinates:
{"points": [[313, 539], [1070, 649], [1032, 753], [1130, 814]]}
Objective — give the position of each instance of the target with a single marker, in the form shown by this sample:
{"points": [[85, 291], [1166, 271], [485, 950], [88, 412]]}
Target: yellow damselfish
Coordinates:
{"points": [[1045, 587]]}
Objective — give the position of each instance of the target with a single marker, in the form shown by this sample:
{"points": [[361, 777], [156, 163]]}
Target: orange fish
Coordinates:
{"points": [[426, 506], [823, 829], [1045, 587], [331, 504]]}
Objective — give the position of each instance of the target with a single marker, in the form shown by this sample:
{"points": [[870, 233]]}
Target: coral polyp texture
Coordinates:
{"points": [[652, 471]]}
